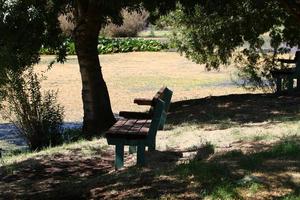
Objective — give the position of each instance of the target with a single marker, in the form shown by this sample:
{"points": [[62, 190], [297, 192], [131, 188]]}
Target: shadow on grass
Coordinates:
{"points": [[270, 171], [237, 109]]}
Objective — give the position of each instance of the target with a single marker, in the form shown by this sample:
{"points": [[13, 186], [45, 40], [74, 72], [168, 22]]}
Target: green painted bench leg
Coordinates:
{"points": [[162, 121], [278, 84], [119, 160], [132, 149], [298, 83], [152, 146], [141, 155], [290, 84]]}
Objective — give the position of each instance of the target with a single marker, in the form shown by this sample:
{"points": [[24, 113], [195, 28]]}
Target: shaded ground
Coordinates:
{"points": [[236, 109], [257, 169], [244, 171]]}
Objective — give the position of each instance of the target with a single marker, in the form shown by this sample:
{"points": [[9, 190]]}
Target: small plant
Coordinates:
{"points": [[225, 191], [133, 23], [38, 117]]}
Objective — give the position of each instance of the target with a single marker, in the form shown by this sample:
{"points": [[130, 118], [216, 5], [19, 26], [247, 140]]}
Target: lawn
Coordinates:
{"points": [[220, 141]]}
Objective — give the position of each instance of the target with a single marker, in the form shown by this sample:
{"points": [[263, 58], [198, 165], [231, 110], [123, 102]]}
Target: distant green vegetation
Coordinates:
{"points": [[116, 45]]}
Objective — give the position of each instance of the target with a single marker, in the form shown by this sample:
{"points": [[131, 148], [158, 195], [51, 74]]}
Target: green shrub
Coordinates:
{"points": [[133, 23], [108, 45], [116, 45], [38, 117]]}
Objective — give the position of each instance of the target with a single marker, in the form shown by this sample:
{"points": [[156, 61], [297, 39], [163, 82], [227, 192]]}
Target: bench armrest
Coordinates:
{"points": [[142, 101], [135, 115]]}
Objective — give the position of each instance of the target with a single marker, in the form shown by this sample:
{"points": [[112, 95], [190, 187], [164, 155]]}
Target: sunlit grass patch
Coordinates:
{"points": [[83, 147]]}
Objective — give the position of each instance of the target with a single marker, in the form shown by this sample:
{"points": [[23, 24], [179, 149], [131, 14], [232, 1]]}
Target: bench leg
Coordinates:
{"points": [[132, 149], [290, 84], [162, 122], [278, 85], [298, 84], [119, 160], [141, 155], [152, 146]]}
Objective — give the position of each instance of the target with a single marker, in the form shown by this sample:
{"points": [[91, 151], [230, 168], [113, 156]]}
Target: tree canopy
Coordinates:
{"points": [[215, 32]]}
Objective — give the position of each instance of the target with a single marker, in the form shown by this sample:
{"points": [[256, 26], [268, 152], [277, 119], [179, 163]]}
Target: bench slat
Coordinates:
{"points": [[130, 129], [123, 128], [138, 125], [117, 125]]}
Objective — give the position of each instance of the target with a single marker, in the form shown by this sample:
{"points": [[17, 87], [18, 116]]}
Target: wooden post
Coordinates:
{"points": [[119, 160]]}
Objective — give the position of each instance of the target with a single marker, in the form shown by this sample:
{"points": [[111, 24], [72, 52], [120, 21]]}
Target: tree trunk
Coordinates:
{"points": [[98, 114]]}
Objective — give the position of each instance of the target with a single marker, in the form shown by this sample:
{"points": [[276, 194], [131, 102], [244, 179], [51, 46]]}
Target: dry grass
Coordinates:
{"points": [[131, 75]]}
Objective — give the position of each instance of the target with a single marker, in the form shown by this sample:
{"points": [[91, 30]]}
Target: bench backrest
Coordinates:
{"points": [[165, 94], [156, 117]]}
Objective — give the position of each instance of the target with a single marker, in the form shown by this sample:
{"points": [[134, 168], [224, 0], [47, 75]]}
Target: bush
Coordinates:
{"points": [[133, 23], [66, 23], [106, 45], [116, 45], [38, 117]]}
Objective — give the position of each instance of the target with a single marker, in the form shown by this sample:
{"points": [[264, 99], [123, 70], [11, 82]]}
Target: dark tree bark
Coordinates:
{"points": [[98, 114]]}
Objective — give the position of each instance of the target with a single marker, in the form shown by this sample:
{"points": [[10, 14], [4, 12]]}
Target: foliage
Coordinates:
{"points": [[66, 24], [133, 23], [116, 45], [164, 22], [211, 33], [24, 31], [25, 27], [38, 117], [107, 45], [72, 135]]}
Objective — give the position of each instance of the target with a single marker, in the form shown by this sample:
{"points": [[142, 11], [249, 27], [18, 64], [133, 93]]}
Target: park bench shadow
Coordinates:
{"points": [[235, 110]]}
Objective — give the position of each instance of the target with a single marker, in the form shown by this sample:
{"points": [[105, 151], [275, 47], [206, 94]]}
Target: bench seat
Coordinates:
{"points": [[129, 129], [136, 133]]}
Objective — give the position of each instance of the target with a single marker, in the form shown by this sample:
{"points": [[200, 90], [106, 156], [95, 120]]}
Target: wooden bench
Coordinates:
{"points": [[288, 75], [135, 133], [164, 94]]}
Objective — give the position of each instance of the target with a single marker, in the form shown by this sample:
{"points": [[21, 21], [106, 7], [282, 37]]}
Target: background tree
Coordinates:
{"points": [[219, 32]]}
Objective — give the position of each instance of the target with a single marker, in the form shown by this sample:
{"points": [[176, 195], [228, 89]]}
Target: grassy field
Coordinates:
{"points": [[220, 141]]}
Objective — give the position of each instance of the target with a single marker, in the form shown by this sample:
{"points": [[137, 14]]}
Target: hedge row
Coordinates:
{"points": [[117, 45]]}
